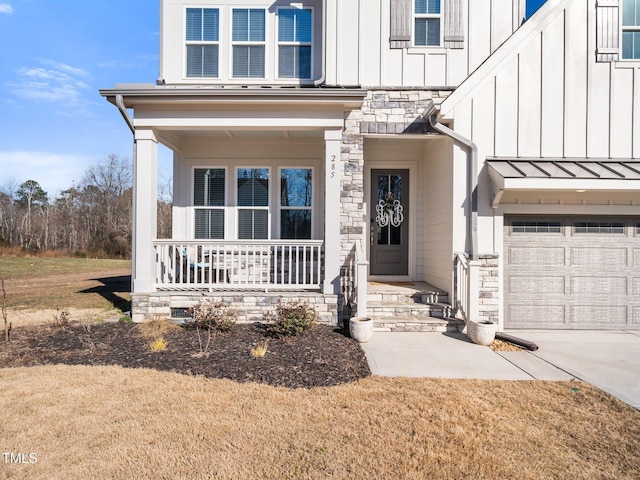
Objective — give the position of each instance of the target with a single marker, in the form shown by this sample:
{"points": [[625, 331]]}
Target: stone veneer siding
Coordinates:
{"points": [[249, 306], [489, 288], [387, 112]]}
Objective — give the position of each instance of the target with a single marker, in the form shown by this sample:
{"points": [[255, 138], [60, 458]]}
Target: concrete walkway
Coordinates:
{"points": [[607, 360]]}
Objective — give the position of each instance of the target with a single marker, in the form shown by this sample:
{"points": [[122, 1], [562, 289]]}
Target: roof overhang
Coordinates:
{"points": [[149, 94], [511, 177]]}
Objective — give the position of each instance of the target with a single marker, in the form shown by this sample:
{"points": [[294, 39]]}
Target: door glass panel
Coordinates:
{"points": [[389, 209]]}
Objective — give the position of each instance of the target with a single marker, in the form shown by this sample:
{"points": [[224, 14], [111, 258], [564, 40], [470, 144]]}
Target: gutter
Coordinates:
{"points": [[472, 176], [322, 79], [124, 113]]}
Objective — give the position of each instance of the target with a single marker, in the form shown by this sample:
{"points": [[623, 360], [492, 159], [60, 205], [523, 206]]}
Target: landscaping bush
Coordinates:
{"points": [[212, 315], [290, 319]]}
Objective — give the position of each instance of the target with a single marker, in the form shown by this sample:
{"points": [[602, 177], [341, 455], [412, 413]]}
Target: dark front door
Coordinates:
{"points": [[389, 222]]}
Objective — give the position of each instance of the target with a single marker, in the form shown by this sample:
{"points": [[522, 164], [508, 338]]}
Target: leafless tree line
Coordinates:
{"points": [[93, 217]]}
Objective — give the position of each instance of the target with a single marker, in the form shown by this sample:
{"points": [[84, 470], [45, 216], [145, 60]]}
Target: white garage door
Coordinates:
{"points": [[572, 272]]}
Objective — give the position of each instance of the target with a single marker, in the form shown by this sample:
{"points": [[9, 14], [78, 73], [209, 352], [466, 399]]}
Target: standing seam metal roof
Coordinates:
{"points": [[610, 169]]}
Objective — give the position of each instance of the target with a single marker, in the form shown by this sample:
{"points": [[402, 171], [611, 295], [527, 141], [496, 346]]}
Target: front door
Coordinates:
{"points": [[389, 250]]}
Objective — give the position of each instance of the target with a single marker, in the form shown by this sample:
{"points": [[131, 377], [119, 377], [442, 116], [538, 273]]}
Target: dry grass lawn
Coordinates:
{"points": [[40, 287], [110, 422]]}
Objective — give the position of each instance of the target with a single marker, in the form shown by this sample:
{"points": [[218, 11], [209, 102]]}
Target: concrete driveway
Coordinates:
{"points": [[607, 360]]}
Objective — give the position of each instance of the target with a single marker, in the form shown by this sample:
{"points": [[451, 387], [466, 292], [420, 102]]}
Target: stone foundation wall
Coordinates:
{"points": [[250, 306], [489, 288]]}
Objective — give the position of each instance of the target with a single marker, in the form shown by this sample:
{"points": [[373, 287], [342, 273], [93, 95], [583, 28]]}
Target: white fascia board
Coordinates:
{"points": [[253, 121], [559, 184]]}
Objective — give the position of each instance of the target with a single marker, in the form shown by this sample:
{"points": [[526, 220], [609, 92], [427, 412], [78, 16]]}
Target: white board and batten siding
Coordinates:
{"points": [[552, 98], [368, 53]]}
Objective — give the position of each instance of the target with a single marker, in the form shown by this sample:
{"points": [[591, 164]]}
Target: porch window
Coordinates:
{"points": [[248, 37], [427, 23], [253, 203], [294, 42], [631, 29], [202, 37], [296, 194], [209, 200]]}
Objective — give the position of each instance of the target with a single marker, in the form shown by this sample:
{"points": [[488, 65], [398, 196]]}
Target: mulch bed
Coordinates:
{"points": [[323, 356]]}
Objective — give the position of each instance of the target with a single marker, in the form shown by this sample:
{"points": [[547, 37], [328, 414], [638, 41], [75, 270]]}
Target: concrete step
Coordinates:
{"points": [[408, 297], [410, 324], [408, 310]]}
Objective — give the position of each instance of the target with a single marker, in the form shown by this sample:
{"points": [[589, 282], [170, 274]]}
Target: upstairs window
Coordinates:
{"points": [[248, 38], [631, 29], [427, 19], [202, 40], [294, 42]]}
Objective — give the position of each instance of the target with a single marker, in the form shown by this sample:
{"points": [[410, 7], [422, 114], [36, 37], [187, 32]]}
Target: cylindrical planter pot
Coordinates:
{"points": [[361, 328], [482, 332]]}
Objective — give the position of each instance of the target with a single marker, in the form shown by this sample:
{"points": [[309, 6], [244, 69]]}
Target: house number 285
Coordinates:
{"points": [[333, 166]]}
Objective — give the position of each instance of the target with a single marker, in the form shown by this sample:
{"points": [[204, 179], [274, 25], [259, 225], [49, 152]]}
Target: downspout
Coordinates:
{"points": [[124, 113], [323, 77], [472, 176]]}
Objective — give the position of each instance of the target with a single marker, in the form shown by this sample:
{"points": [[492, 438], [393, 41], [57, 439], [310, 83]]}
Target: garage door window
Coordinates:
{"points": [[536, 227], [598, 227]]}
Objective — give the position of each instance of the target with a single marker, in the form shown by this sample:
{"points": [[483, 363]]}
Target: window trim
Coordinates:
{"points": [[278, 43], [311, 207], [415, 16], [188, 43], [249, 43]]}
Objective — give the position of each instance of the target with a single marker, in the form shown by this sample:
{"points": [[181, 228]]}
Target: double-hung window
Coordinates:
{"points": [[253, 203], [248, 42], [427, 22], [202, 40], [296, 195], [209, 201], [631, 29], [294, 42]]}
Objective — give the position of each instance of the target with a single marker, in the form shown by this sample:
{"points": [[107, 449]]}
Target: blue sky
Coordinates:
{"points": [[533, 5], [55, 56]]}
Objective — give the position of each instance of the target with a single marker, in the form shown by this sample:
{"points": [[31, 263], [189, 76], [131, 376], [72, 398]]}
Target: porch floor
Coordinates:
{"points": [[404, 288]]}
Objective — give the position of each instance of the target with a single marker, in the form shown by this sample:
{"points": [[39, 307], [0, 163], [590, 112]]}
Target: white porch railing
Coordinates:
{"points": [[226, 265], [466, 285]]}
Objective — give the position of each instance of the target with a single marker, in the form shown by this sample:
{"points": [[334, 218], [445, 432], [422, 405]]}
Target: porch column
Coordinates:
{"points": [[332, 140], [145, 210]]}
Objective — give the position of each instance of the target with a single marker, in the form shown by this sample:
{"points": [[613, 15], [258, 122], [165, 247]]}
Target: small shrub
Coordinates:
{"points": [[260, 350], [158, 345], [211, 315], [61, 319], [290, 319], [125, 319]]}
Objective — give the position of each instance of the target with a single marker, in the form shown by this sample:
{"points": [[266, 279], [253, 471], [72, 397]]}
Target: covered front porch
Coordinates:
{"points": [[256, 196]]}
